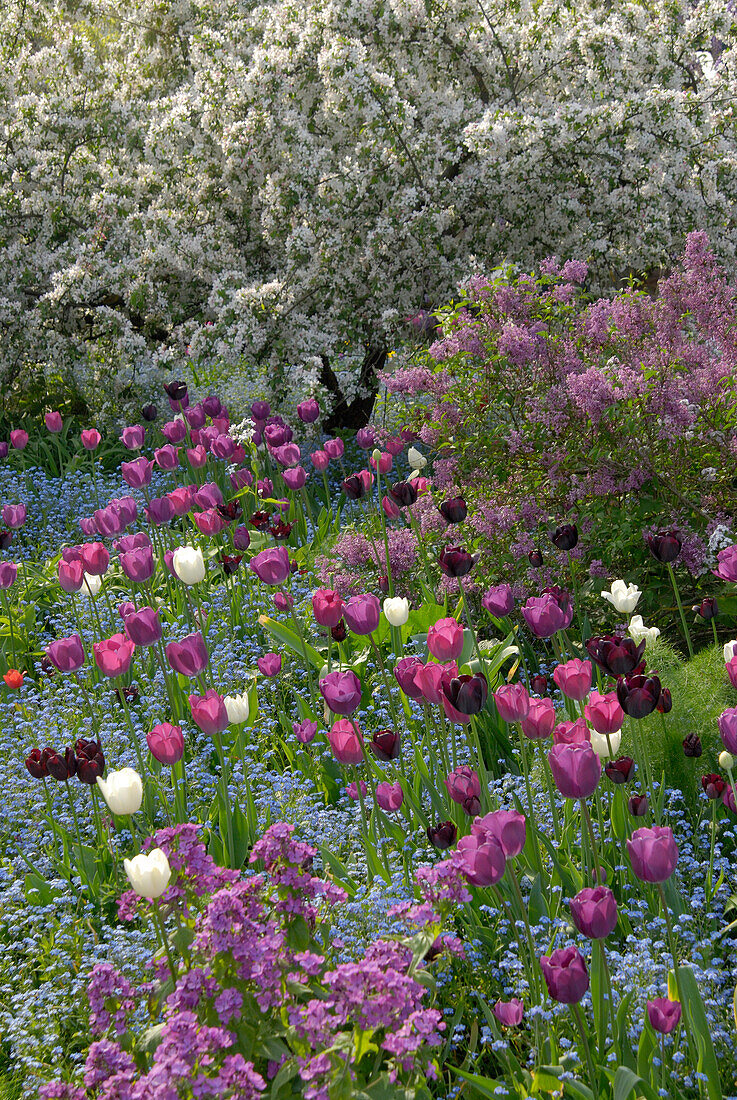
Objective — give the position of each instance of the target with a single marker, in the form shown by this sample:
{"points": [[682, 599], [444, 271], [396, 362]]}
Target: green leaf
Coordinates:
{"points": [[338, 871], [626, 1080], [693, 1007], [486, 1086], [291, 640]]}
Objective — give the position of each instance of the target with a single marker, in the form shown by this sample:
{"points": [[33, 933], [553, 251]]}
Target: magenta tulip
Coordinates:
{"points": [[464, 787], [71, 575], [539, 721], [95, 558], [572, 733], [269, 664], [346, 742], [508, 1013], [8, 574], [483, 859], [308, 411], [90, 438], [498, 601], [305, 731], [209, 712], [594, 912], [653, 853], [14, 515], [327, 607], [603, 712], [565, 975], [389, 796], [574, 679], [320, 460], [188, 657], [54, 422], [664, 1015], [547, 614], [362, 614], [133, 437], [114, 655], [137, 473], [138, 565], [66, 654], [166, 743], [445, 640], [576, 769], [143, 627], [19, 439], [512, 702]]}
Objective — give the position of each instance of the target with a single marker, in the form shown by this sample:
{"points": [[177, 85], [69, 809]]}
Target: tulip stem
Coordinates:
{"points": [[590, 829], [680, 609], [608, 981], [387, 685], [692, 1045], [714, 631], [308, 667], [218, 738], [9, 614], [576, 1012], [528, 930], [162, 938], [79, 835], [382, 517], [551, 791], [711, 850]]}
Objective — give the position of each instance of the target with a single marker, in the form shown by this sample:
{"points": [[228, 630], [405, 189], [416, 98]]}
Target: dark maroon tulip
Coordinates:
{"points": [[281, 529], [6, 537], [338, 632], [61, 767], [230, 563], [653, 853], [638, 805], [713, 785], [36, 762], [126, 695], [565, 537], [260, 520], [442, 836], [638, 695], [175, 390], [231, 510], [466, 694], [353, 487], [508, 1013], [385, 745], [665, 546], [692, 746], [616, 654], [483, 859], [535, 558], [464, 787], [455, 561], [665, 702], [508, 827], [708, 608], [454, 510], [594, 912], [565, 975], [149, 413], [621, 770], [539, 684], [90, 761], [664, 1015], [403, 493], [404, 672]]}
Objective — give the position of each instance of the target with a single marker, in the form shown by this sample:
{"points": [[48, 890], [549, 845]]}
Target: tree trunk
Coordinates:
{"points": [[356, 413]]}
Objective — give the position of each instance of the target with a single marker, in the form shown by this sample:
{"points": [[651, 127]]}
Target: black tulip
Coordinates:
{"points": [[353, 487], [665, 702], [638, 805], [443, 835], [665, 546], [692, 746], [403, 493], [454, 510], [616, 654], [455, 561], [621, 770], [565, 537], [467, 694], [638, 695], [176, 390], [149, 413], [61, 767], [539, 683], [535, 558], [713, 785], [708, 608], [385, 745]]}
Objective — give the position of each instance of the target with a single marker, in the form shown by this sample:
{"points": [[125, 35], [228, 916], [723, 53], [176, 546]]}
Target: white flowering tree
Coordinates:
{"points": [[271, 189]]}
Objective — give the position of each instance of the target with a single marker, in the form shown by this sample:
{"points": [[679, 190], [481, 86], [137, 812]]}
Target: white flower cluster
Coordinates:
{"points": [[262, 186]]}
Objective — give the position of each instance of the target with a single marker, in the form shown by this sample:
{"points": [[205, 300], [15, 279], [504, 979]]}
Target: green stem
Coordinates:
{"points": [[692, 1045], [226, 797], [163, 940], [576, 1012], [677, 594]]}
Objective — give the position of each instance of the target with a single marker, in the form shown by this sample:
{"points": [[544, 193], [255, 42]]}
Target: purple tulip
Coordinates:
{"points": [[269, 664], [727, 722], [308, 411], [137, 473], [304, 731], [653, 853], [727, 560], [19, 439], [664, 1015], [362, 613], [188, 657], [167, 457], [548, 613], [3, 449], [8, 573], [14, 515], [507, 827], [133, 437], [241, 538], [271, 566], [576, 769], [498, 601], [295, 479], [341, 691], [594, 912], [483, 859], [260, 410], [66, 654], [366, 439], [138, 565], [565, 975], [404, 673], [223, 447], [208, 496], [508, 1013], [389, 796], [175, 431], [464, 787], [128, 543], [143, 627], [334, 448]]}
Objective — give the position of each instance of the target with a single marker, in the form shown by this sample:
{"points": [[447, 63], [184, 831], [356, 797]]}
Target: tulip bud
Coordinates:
{"points": [[396, 610], [726, 761], [237, 708]]}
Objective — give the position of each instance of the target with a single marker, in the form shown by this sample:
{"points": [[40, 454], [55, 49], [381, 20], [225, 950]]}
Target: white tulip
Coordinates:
{"points": [[123, 791], [237, 708], [396, 609], [624, 597], [189, 565], [600, 745], [638, 630], [730, 650], [92, 584], [148, 874], [416, 459], [726, 761]]}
